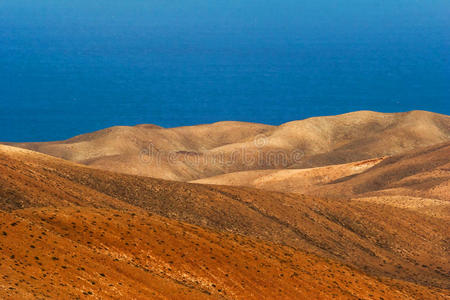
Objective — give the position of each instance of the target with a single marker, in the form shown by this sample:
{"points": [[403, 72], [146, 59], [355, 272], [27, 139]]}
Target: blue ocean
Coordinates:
{"points": [[71, 67]]}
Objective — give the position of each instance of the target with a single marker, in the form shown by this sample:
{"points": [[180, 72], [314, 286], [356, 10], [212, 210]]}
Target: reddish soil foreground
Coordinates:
{"points": [[69, 231], [76, 252]]}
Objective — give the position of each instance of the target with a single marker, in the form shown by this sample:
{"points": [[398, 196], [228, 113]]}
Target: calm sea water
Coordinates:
{"points": [[70, 67]]}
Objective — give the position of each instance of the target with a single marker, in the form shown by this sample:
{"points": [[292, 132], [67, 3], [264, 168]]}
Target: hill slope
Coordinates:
{"points": [[77, 252], [412, 246], [195, 152]]}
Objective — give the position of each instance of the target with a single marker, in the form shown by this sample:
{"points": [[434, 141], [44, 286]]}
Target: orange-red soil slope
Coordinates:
{"points": [[72, 231], [103, 253]]}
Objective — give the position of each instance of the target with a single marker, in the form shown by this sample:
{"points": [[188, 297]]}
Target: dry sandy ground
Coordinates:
{"points": [[195, 152]]}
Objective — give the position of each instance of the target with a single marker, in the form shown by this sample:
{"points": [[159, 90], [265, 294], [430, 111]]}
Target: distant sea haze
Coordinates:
{"points": [[71, 67]]}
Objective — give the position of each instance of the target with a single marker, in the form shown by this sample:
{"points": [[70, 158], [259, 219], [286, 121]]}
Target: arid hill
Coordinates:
{"points": [[195, 152], [412, 246]]}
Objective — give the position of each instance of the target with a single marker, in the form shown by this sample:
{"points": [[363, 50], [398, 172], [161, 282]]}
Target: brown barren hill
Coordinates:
{"points": [[412, 246], [195, 152]]}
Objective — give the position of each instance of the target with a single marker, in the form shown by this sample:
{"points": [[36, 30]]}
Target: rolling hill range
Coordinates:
{"points": [[407, 252], [196, 152]]}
